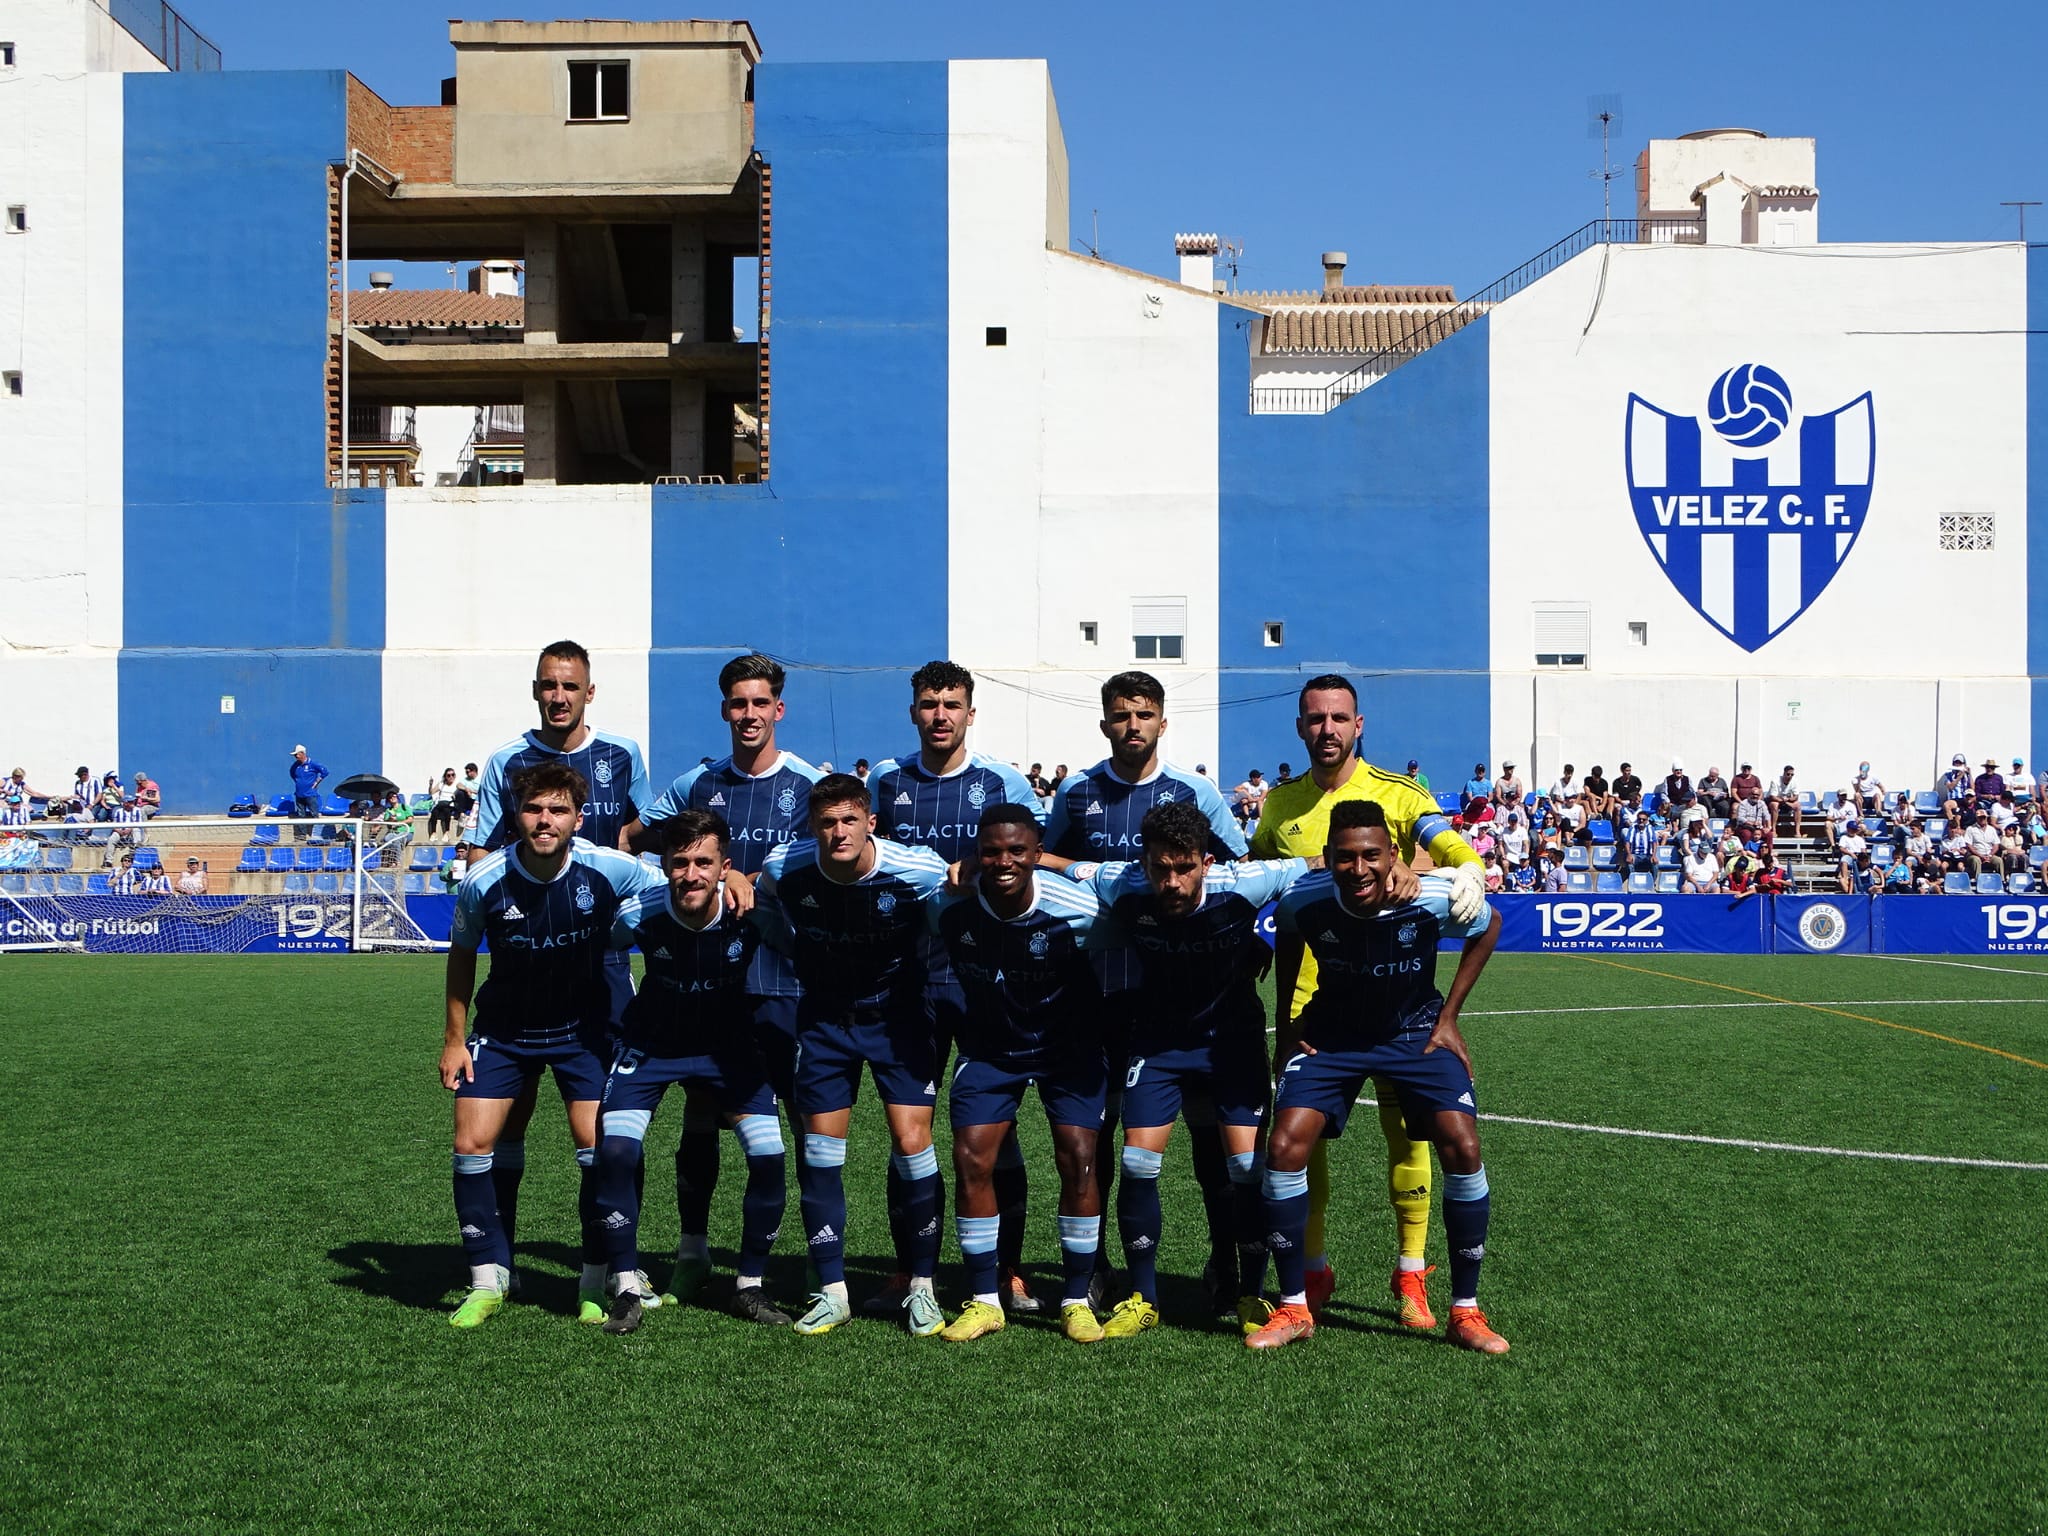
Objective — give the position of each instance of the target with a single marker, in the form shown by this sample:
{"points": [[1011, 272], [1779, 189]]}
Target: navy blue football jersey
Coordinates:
{"points": [[548, 938], [1030, 988], [693, 998], [853, 944], [1375, 971], [611, 765]]}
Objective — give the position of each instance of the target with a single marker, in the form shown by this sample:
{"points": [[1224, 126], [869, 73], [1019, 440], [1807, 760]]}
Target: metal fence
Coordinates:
{"points": [[165, 33], [1314, 400]]}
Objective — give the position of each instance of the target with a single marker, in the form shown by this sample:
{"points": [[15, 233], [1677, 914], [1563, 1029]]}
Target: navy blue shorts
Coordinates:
{"points": [[945, 1011], [1072, 1087], [897, 1051], [618, 980], [1331, 1080], [1230, 1074], [735, 1078], [505, 1069], [775, 1037]]}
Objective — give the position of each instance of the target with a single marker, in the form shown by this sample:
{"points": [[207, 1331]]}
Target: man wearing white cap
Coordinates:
{"points": [[1678, 790], [1955, 787], [306, 778]]}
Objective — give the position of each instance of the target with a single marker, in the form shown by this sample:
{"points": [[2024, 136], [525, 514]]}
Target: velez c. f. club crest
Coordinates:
{"points": [[1751, 508], [601, 770]]}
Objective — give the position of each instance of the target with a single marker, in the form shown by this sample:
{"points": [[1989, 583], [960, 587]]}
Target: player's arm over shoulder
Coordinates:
{"points": [[1417, 820], [1436, 896]]}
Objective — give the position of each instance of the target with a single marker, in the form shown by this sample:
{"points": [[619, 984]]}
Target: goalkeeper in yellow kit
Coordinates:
{"points": [[1295, 822]]}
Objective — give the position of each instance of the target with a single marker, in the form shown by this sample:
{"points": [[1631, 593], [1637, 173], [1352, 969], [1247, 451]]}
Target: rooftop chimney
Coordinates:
{"points": [[1197, 260], [382, 280], [1334, 263]]}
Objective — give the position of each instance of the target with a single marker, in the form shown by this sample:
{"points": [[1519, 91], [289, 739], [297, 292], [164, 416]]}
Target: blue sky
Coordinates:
{"points": [[1433, 143]]}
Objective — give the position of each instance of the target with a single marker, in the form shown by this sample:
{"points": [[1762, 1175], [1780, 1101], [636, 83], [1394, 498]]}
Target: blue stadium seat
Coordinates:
{"points": [[265, 835], [147, 857], [296, 884], [1937, 827], [1829, 797], [2020, 883], [281, 858], [420, 805], [1989, 884], [1603, 856], [327, 885], [2038, 856], [1808, 801], [1575, 858], [340, 857], [424, 857], [1609, 880], [1667, 882], [57, 857], [281, 806], [14, 885], [309, 857], [1873, 826], [1643, 880], [371, 860], [98, 885], [252, 860], [1448, 802], [1881, 854], [452, 854], [1717, 825], [1957, 884], [1601, 831], [1667, 857], [1927, 802], [70, 885], [1578, 880], [417, 885]]}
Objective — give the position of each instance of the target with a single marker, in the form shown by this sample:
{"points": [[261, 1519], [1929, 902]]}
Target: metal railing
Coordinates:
{"points": [[381, 424], [1314, 400], [165, 33]]}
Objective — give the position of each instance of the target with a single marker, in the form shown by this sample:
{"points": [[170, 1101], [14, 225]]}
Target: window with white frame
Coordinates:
{"points": [[1563, 634], [600, 90], [1159, 627]]}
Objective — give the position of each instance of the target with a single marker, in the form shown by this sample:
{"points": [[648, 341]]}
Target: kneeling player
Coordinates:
{"points": [[1377, 1014], [1198, 1034], [546, 904], [690, 1025], [1033, 1016]]}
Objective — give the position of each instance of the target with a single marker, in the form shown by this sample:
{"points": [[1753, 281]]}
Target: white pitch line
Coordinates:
{"points": [[1961, 965], [1868, 1002], [1761, 1146]]}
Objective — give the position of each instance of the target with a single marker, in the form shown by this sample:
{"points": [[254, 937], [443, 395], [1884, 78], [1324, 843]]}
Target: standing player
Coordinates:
{"points": [[616, 775], [1016, 942], [546, 904], [1377, 1015], [763, 794], [1297, 823], [852, 908], [1096, 815], [1200, 1033], [689, 1026], [935, 799]]}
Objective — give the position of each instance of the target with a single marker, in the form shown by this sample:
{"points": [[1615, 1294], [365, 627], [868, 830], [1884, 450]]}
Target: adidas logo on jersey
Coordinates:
{"points": [[717, 799], [1145, 920], [825, 1234], [1327, 937], [903, 797], [512, 910], [1294, 829], [967, 941], [1094, 808], [1465, 1099], [660, 952], [808, 901], [932, 1089]]}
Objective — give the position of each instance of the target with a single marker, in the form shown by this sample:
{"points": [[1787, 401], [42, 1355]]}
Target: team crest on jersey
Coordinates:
{"points": [[601, 770], [717, 799], [1406, 933], [976, 796], [1164, 797], [885, 903], [1039, 944], [585, 900], [735, 949], [1750, 507], [786, 801]]}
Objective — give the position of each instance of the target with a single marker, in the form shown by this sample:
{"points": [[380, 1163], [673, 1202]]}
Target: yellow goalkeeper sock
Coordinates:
{"points": [[1318, 1201], [1407, 1176]]}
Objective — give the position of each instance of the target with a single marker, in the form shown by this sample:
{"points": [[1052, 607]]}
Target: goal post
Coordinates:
{"points": [[214, 885]]}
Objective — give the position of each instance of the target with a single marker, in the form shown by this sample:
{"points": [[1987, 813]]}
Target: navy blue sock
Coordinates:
{"points": [[767, 1193], [476, 1210], [896, 1190], [1080, 1240], [586, 1205], [508, 1167], [1012, 1188], [923, 1207], [617, 1193], [978, 1250], [821, 1196], [1287, 1228], [1212, 1176], [696, 1175], [1467, 1206], [1106, 1150], [1138, 1219], [1248, 1222]]}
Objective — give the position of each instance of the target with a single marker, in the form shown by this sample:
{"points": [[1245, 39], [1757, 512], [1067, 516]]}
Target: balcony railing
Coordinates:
{"points": [[392, 424], [1300, 400], [165, 33]]}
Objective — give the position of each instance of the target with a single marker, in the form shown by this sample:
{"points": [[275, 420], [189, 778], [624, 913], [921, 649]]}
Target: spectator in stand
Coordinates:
{"points": [[109, 798], [1415, 772], [1626, 783], [1928, 880], [1547, 835], [307, 777], [2037, 825], [443, 815], [1869, 791], [148, 794], [17, 784], [2003, 811], [129, 880], [1716, 798], [193, 881], [1509, 792], [1554, 878], [1981, 846], [1248, 798], [1867, 879], [397, 815], [1898, 879], [2019, 781], [1489, 865], [1477, 788], [1678, 791], [85, 793], [1036, 779], [1955, 788], [1571, 817], [454, 869], [1059, 774], [1903, 814], [1753, 814], [157, 882], [1522, 878], [128, 823], [1954, 847], [1566, 790], [2012, 850], [14, 810], [1513, 840], [1639, 849], [1842, 817], [860, 769], [1919, 854], [1596, 794], [1283, 776], [1785, 799], [1848, 847], [1739, 787], [1702, 872]]}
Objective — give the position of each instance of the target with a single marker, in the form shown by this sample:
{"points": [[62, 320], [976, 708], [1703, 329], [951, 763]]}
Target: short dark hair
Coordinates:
{"points": [[1133, 685], [751, 668], [1328, 680], [1346, 814], [564, 650], [469, 767], [1176, 826], [937, 676], [841, 789], [689, 826], [549, 778], [1011, 814]]}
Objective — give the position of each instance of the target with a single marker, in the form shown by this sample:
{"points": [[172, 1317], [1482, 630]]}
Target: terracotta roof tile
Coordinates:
{"points": [[1370, 293], [1338, 329], [434, 306]]}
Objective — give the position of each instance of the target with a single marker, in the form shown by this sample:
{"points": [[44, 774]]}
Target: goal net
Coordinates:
{"points": [[211, 886]]}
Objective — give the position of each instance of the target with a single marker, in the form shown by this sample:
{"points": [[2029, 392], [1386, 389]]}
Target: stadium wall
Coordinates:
{"points": [[2037, 496]]}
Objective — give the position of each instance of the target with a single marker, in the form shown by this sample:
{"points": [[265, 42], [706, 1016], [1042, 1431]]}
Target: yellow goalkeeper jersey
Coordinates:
{"points": [[1295, 823]]}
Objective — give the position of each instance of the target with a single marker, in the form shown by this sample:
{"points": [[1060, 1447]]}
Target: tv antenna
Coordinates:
{"points": [[1095, 232], [1603, 121], [2023, 204], [1230, 250]]}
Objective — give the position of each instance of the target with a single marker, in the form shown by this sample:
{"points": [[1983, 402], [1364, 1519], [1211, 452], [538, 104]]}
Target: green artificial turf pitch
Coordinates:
{"points": [[229, 1258]]}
